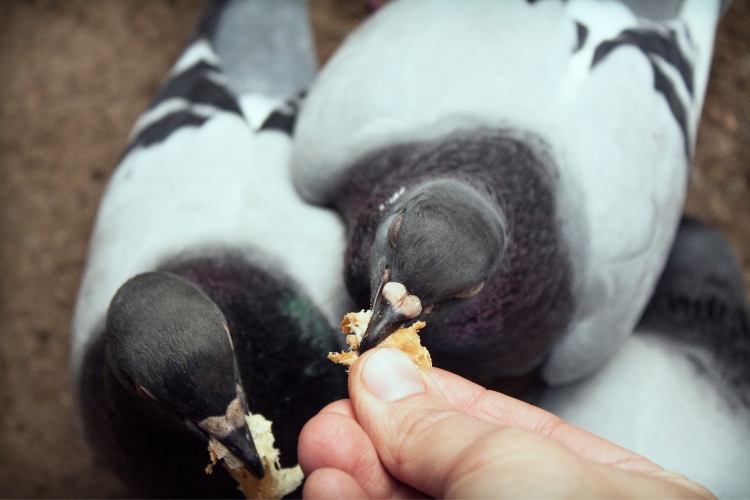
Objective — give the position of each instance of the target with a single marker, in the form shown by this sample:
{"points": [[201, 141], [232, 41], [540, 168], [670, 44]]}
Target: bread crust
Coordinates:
{"points": [[405, 339], [277, 482]]}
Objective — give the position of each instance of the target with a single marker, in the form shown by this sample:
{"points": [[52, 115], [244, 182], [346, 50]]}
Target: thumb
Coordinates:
{"points": [[422, 440], [426, 443]]}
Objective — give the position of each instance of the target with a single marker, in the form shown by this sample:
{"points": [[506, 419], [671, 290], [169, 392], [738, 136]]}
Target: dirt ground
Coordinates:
{"points": [[74, 76]]}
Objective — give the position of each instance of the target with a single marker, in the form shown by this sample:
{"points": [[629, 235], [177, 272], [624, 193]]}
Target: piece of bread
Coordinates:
{"points": [[407, 340], [277, 482]]}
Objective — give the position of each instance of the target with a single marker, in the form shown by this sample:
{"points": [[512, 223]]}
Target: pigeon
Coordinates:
{"points": [[518, 167], [678, 392], [198, 303]]}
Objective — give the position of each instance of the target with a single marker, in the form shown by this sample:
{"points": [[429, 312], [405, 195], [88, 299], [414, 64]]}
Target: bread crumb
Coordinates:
{"points": [[277, 482], [407, 340]]}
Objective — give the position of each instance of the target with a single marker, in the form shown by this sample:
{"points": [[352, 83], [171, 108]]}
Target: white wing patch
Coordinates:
{"points": [[631, 166], [198, 51], [257, 108]]}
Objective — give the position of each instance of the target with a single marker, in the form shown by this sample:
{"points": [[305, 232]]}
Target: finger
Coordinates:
{"points": [[413, 427], [424, 441], [498, 408], [332, 483], [334, 440]]}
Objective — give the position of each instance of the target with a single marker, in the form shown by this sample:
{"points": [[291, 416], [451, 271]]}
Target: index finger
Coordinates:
{"points": [[500, 409]]}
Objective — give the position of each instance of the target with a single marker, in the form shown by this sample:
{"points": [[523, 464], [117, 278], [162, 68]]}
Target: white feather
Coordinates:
{"points": [[200, 50]]}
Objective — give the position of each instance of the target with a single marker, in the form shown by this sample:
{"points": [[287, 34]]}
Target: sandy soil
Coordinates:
{"points": [[74, 76]]}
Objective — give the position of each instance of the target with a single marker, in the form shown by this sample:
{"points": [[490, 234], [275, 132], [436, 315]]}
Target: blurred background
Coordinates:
{"points": [[74, 76]]}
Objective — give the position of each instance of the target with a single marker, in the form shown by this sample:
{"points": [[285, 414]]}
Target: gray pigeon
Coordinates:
{"points": [[519, 167], [187, 317]]}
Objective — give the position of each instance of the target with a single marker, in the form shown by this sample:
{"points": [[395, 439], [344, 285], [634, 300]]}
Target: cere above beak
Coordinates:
{"points": [[393, 307], [232, 431]]}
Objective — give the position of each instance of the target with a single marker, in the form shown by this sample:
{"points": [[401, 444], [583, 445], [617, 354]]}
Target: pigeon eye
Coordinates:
{"points": [[393, 231], [144, 393], [471, 292]]}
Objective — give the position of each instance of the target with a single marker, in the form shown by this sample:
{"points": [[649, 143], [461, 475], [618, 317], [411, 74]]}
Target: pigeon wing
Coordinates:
{"points": [[631, 181]]}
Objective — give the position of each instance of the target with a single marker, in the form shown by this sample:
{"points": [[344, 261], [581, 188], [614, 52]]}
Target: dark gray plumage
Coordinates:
{"points": [[442, 225], [164, 375], [166, 336], [700, 302], [478, 244]]}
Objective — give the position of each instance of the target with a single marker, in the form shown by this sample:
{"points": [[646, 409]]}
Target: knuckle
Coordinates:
{"points": [[413, 427]]}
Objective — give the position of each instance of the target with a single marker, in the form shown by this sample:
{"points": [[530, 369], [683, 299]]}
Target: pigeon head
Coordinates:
{"points": [[169, 343], [434, 251]]}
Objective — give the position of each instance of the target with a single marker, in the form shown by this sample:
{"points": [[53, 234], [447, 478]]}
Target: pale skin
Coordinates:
{"points": [[407, 434]]}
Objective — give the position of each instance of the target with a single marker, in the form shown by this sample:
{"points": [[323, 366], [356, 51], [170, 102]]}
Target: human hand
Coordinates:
{"points": [[406, 434]]}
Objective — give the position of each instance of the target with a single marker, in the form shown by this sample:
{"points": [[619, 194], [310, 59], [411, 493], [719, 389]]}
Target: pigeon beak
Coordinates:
{"points": [[232, 431], [240, 437], [241, 444], [393, 307], [238, 441]]}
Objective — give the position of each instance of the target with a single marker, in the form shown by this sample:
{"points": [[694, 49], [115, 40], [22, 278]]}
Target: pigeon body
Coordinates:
{"points": [[678, 392], [573, 121], [198, 302]]}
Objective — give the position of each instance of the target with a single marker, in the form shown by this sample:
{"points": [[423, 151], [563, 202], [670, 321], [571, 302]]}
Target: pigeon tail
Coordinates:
{"points": [[265, 46], [700, 301]]}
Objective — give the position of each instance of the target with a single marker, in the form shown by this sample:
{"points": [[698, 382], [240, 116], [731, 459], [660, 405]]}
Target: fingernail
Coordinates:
{"points": [[390, 375]]}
